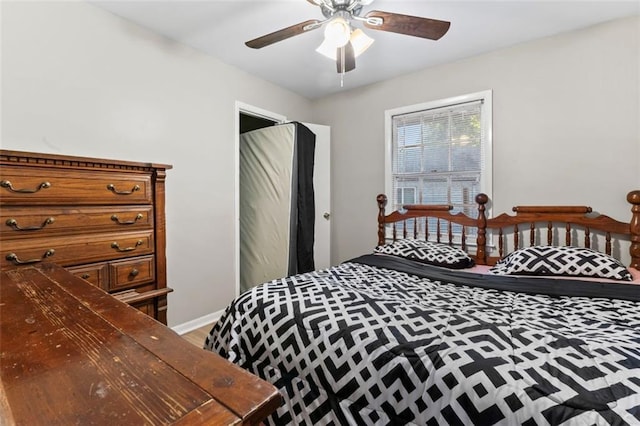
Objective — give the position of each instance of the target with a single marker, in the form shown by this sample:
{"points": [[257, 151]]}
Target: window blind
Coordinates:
{"points": [[437, 156]]}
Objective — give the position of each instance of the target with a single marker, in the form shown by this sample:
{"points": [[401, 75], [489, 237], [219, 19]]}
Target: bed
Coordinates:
{"points": [[524, 318]]}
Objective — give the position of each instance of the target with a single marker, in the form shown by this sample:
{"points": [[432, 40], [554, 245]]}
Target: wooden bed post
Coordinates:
{"points": [[481, 253], [634, 226], [382, 203]]}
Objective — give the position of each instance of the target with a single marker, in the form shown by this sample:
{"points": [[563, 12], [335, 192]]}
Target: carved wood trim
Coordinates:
{"points": [[527, 217], [40, 159]]}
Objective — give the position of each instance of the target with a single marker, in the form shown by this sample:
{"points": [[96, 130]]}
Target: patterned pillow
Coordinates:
{"points": [[552, 260], [431, 253]]}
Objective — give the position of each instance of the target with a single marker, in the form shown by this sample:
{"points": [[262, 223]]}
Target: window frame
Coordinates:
{"points": [[486, 174]]}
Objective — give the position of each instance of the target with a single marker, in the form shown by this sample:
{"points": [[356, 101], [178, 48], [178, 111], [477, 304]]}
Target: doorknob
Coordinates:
{"points": [[326, 215]]}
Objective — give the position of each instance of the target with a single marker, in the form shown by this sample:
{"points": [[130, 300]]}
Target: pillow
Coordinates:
{"points": [[428, 252], [567, 260]]}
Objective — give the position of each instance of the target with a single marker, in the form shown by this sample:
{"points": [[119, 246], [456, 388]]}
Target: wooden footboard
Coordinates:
{"points": [[494, 238]]}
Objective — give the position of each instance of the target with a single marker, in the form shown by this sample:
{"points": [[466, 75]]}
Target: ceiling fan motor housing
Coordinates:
{"points": [[344, 8]]}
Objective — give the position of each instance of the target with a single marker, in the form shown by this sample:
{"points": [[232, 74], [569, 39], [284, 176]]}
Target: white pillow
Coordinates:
{"points": [[563, 260], [438, 254]]}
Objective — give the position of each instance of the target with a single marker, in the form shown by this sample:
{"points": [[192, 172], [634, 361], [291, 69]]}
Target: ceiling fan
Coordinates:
{"points": [[341, 41]]}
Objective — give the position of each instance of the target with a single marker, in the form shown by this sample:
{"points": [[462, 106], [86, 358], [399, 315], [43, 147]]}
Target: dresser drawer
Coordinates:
{"points": [[95, 273], [77, 250], [131, 272], [25, 222], [19, 185]]}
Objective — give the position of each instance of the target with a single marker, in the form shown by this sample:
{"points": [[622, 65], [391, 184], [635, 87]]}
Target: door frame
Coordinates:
{"points": [[243, 108]]}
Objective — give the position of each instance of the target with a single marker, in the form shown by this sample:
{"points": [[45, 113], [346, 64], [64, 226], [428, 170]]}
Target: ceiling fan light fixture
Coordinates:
{"points": [[337, 32], [327, 49], [359, 40]]}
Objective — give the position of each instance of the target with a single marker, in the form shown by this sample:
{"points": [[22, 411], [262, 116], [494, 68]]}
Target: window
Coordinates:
{"points": [[440, 153]]}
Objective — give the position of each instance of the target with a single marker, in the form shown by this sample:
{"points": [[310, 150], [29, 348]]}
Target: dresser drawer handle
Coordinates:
{"points": [[111, 187], [12, 257], [14, 224], [85, 276], [116, 246], [134, 272], [116, 219], [7, 184]]}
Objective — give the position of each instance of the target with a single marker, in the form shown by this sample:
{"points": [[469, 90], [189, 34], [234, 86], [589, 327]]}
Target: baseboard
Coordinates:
{"points": [[197, 323]]}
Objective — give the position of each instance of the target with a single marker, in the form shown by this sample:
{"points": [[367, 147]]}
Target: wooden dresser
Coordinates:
{"points": [[74, 355], [103, 220]]}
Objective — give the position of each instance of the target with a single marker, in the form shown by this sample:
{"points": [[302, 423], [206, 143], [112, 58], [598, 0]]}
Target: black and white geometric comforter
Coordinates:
{"points": [[365, 345]]}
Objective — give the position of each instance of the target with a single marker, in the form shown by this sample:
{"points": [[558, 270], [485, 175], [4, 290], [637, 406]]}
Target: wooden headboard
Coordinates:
{"points": [[530, 225]]}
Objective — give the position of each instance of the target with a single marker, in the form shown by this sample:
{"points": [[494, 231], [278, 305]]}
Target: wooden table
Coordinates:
{"points": [[72, 354]]}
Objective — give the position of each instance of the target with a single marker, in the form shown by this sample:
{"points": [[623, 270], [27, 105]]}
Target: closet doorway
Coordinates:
{"points": [[249, 118], [252, 122]]}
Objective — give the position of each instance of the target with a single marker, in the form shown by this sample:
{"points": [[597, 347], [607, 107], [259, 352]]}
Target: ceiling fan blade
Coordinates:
{"points": [[283, 34], [432, 29], [345, 58]]}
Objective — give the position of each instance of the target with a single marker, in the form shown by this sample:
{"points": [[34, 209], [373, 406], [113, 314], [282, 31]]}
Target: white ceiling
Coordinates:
{"points": [[220, 28]]}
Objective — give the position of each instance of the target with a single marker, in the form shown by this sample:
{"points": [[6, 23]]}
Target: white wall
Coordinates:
{"points": [[565, 125], [77, 80]]}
